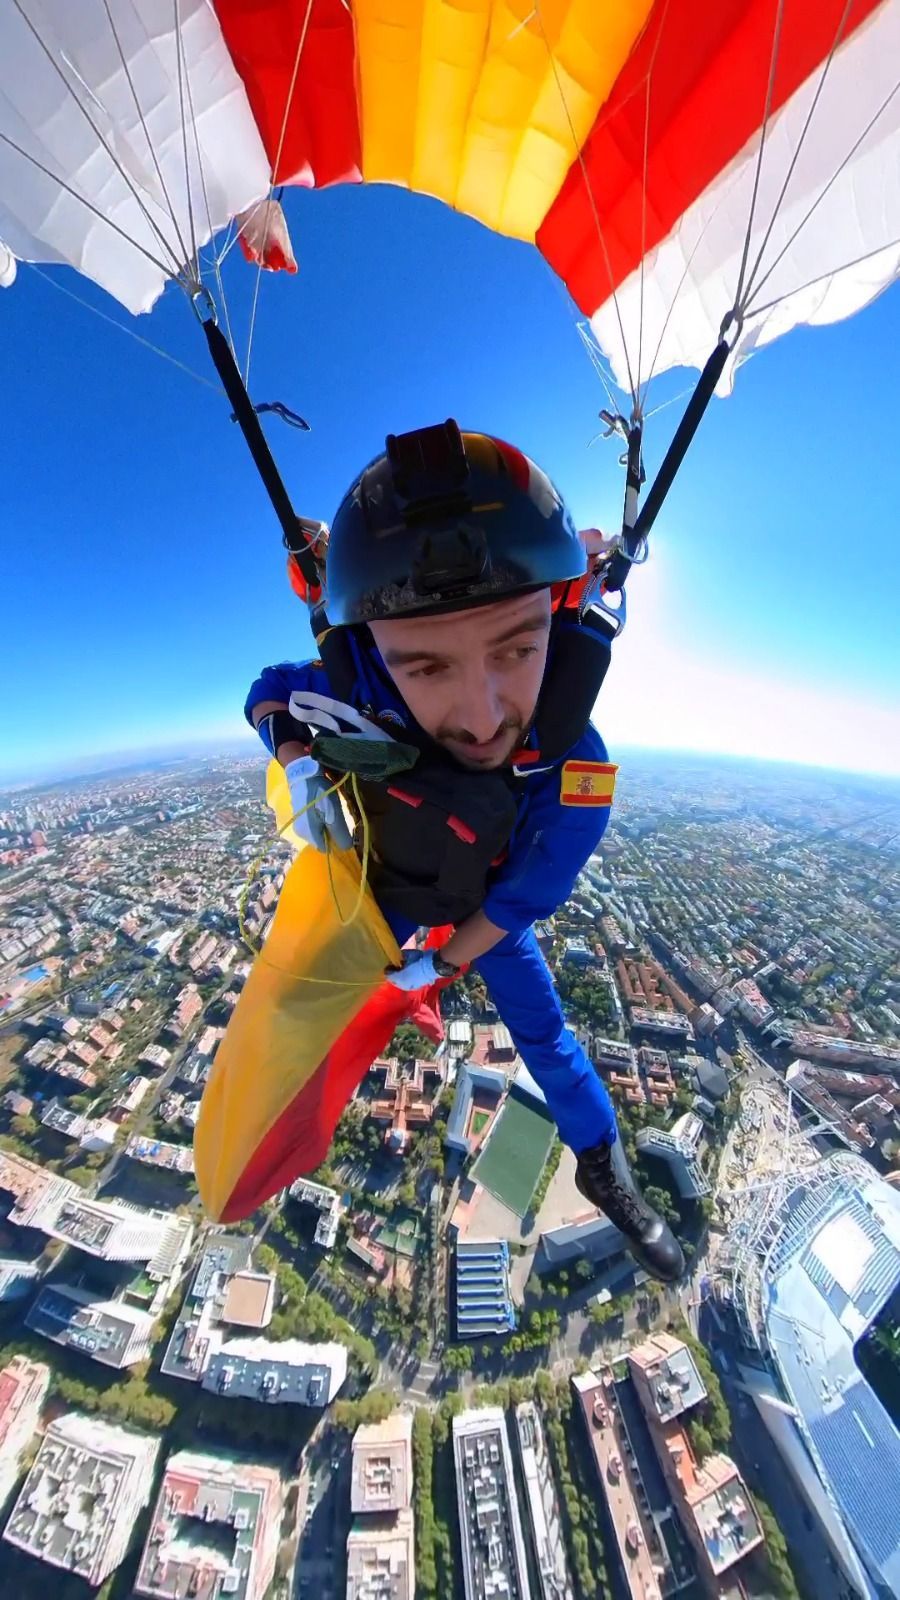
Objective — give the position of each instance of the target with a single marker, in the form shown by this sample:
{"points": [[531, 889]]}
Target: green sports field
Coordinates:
{"points": [[513, 1158]]}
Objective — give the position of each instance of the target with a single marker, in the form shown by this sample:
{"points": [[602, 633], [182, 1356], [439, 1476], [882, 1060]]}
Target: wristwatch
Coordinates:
{"points": [[444, 969]]}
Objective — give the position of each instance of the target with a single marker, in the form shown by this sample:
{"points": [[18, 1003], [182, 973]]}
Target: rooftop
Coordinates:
{"points": [[250, 1299], [214, 1530], [380, 1562], [618, 1484], [714, 1498], [382, 1465], [666, 1376], [78, 1505], [493, 1550], [108, 1331], [286, 1372]]}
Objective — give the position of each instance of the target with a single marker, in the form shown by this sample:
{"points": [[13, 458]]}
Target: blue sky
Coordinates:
{"points": [[143, 576]]}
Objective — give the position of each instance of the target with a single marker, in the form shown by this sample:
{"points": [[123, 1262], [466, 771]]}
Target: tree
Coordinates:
{"points": [[778, 1561], [584, 1269]]}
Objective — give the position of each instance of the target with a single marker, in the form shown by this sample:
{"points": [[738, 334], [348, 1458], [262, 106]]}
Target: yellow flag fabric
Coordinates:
{"points": [[273, 1096]]}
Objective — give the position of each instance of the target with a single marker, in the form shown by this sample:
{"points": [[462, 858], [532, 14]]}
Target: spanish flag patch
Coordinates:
{"points": [[587, 783]]}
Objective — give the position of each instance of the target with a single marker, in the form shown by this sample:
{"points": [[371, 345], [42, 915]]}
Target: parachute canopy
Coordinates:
{"points": [[673, 162]]}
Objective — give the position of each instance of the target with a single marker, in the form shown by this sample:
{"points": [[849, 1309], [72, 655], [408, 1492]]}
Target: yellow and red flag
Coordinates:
{"points": [[587, 783]]}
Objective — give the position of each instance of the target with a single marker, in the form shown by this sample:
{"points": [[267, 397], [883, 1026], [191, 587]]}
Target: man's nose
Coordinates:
{"points": [[479, 708]]}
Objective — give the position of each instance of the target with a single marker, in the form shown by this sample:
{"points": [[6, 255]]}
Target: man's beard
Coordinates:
{"points": [[514, 727]]}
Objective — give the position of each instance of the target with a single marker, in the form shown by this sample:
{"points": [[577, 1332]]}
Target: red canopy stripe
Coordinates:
{"points": [[710, 73], [322, 136]]}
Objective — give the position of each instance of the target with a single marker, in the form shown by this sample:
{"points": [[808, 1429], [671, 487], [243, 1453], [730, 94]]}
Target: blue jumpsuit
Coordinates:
{"points": [[549, 846]]}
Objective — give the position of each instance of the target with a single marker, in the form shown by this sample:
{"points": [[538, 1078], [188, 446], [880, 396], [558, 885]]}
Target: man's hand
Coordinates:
{"points": [[320, 813], [418, 971]]}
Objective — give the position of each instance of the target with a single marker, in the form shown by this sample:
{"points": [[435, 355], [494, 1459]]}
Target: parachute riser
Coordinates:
{"points": [[296, 530]]}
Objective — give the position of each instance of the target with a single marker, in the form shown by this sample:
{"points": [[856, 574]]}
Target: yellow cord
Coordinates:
{"points": [[257, 949]]}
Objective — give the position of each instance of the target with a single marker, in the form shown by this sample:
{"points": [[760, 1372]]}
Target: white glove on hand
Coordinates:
{"points": [[321, 811], [417, 971]]}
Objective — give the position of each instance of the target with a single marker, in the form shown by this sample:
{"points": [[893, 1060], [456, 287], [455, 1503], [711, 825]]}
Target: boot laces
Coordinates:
{"points": [[617, 1195]]}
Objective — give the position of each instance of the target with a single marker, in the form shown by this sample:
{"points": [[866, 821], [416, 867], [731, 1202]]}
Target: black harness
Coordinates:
{"points": [[437, 830]]}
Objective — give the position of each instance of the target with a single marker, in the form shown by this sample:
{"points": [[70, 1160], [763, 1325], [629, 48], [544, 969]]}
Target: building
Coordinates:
{"points": [[406, 1099], [109, 1331], [814, 1263], [613, 1054], [327, 1202], [493, 1551], [881, 1056], [214, 1531], [593, 1238], [679, 1147], [23, 1389], [381, 1558], [225, 1292], [640, 1552], [282, 1372], [17, 1278], [665, 1375], [713, 1502], [668, 1026], [382, 1466], [102, 1228], [577, 953], [478, 1092], [483, 1301], [708, 1077], [380, 1546], [78, 1506], [159, 1153], [752, 1003], [545, 1527]]}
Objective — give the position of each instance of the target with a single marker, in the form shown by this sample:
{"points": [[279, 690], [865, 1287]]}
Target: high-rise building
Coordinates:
{"points": [[23, 1388], [490, 1529], [545, 1525], [380, 1545], [78, 1506], [214, 1530], [679, 1148], [813, 1262]]}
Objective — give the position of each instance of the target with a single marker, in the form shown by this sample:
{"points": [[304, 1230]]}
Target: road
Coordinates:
{"points": [[323, 1515]]}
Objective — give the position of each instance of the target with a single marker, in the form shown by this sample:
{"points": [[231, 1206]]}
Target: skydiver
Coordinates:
{"points": [[449, 564]]}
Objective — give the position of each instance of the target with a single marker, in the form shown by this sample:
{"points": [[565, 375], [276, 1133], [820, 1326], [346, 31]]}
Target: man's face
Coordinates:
{"points": [[471, 678]]}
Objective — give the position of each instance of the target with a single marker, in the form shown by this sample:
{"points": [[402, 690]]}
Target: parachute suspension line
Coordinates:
{"points": [[810, 283], [275, 166], [250, 426], [684, 433], [26, 155], [576, 145], [223, 299], [123, 174], [140, 111], [796, 156], [820, 197], [123, 328], [656, 46], [770, 87], [194, 264], [681, 282], [595, 356]]}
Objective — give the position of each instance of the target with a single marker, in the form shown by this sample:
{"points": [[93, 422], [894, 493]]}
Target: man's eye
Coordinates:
{"points": [[426, 672], [522, 652]]}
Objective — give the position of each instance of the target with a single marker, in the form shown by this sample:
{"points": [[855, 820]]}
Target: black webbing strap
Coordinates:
{"points": [[620, 565], [684, 433], [249, 423]]}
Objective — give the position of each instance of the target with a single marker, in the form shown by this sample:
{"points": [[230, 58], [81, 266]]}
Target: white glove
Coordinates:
{"points": [[417, 971], [321, 811]]}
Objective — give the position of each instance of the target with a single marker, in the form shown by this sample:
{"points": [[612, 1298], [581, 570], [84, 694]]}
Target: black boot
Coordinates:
{"points": [[604, 1177]]}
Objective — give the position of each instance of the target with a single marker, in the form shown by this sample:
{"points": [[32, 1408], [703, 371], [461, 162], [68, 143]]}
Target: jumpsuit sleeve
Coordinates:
{"points": [[552, 844], [279, 683]]}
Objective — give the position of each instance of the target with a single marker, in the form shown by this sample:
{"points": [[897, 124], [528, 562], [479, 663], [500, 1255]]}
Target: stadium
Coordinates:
{"points": [[819, 1262]]}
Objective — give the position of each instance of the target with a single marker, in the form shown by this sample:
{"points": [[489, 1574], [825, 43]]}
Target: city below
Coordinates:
{"points": [[429, 1370]]}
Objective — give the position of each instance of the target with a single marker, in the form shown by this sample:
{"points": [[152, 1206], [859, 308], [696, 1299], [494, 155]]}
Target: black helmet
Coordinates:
{"points": [[445, 520]]}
